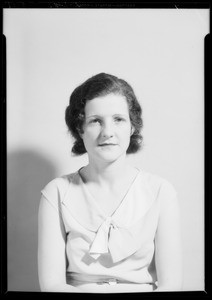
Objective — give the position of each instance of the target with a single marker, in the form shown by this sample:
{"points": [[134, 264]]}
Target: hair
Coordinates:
{"points": [[101, 85]]}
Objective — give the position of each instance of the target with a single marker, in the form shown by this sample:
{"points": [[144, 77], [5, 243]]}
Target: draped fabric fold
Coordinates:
{"points": [[117, 241], [123, 242]]}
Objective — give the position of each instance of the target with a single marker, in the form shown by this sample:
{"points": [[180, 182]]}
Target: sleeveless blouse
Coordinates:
{"points": [[119, 246]]}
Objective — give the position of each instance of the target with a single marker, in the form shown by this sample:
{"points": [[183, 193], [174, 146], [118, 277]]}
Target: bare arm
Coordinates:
{"points": [[51, 250], [168, 247]]}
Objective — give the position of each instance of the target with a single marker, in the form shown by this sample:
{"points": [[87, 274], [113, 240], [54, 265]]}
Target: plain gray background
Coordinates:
{"points": [[160, 52]]}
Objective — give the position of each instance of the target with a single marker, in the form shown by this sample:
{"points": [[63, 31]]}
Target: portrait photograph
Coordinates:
{"points": [[105, 150]]}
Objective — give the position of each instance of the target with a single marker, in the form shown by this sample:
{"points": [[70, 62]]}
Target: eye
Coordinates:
{"points": [[95, 121], [119, 119]]}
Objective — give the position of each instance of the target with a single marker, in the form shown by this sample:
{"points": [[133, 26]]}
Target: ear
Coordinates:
{"points": [[132, 130], [80, 132]]}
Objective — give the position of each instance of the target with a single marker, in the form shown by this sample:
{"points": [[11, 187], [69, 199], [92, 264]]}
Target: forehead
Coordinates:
{"points": [[106, 105]]}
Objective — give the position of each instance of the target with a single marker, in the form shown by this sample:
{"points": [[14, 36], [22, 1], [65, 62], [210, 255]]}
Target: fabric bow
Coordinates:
{"points": [[116, 240]]}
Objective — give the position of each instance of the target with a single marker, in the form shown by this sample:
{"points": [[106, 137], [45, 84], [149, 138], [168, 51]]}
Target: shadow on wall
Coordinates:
{"points": [[27, 173]]}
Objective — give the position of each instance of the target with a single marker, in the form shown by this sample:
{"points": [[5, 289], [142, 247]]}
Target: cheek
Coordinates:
{"points": [[90, 134], [126, 131]]}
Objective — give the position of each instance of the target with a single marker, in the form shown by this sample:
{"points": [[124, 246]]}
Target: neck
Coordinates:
{"points": [[106, 173]]}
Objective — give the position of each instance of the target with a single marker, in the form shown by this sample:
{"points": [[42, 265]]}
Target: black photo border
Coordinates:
{"points": [[207, 147]]}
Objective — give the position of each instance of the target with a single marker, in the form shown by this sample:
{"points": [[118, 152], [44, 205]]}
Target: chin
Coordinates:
{"points": [[110, 157]]}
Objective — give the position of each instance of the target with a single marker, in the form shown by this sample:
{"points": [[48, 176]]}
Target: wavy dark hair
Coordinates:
{"points": [[101, 85]]}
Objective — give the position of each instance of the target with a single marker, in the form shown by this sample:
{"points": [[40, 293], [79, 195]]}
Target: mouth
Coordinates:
{"points": [[106, 144]]}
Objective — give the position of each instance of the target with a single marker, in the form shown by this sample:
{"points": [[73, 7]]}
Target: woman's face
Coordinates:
{"points": [[107, 127]]}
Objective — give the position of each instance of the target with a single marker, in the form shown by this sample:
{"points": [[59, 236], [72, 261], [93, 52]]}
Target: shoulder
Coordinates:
{"points": [[57, 187], [160, 186]]}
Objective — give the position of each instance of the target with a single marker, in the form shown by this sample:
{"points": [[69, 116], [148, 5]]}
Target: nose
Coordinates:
{"points": [[107, 130]]}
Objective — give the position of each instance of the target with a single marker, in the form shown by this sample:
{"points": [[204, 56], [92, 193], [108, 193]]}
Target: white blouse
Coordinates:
{"points": [[116, 248]]}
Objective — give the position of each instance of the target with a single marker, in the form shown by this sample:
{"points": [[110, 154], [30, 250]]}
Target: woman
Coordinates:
{"points": [[109, 227]]}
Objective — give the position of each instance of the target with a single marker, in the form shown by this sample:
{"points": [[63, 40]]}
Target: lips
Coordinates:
{"points": [[106, 144]]}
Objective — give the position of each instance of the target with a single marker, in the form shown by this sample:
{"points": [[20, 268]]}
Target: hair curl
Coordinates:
{"points": [[101, 85]]}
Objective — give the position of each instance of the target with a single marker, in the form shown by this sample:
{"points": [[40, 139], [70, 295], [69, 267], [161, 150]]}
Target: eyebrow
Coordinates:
{"points": [[99, 116]]}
